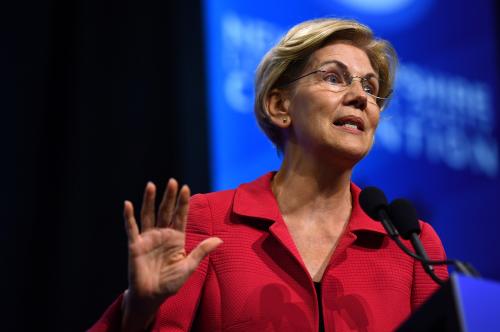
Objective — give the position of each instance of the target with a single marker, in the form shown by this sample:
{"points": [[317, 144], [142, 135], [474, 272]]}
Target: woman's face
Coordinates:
{"points": [[325, 120]]}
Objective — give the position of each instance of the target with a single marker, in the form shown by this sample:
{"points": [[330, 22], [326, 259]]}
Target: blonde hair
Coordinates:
{"points": [[287, 59]]}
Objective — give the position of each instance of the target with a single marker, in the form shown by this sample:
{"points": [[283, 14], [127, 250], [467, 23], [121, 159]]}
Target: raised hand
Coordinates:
{"points": [[158, 264]]}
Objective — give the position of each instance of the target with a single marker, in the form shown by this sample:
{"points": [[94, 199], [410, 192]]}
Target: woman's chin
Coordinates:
{"points": [[348, 156]]}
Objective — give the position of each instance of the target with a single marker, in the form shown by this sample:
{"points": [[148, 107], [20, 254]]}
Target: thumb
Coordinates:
{"points": [[202, 249]]}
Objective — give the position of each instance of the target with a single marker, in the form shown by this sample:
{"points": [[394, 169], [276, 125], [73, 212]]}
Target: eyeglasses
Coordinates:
{"points": [[336, 78]]}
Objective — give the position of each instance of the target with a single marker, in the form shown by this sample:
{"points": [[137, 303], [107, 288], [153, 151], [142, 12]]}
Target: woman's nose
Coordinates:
{"points": [[355, 94]]}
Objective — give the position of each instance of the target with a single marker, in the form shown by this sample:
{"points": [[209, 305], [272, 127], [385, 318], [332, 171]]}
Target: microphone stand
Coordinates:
{"points": [[462, 267]]}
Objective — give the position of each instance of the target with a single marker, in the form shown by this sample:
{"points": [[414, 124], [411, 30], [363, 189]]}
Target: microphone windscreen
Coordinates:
{"points": [[404, 217], [372, 200]]}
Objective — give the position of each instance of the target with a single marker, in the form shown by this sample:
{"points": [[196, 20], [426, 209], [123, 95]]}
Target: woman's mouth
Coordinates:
{"points": [[350, 122]]}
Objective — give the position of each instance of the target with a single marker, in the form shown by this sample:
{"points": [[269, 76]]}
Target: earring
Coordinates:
{"points": [[284, 120]]}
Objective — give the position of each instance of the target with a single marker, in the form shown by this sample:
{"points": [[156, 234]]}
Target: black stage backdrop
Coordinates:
{"points": [[100, 97]]}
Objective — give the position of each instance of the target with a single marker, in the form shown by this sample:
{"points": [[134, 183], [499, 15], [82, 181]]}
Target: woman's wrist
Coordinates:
{"points": [[137, 315]]}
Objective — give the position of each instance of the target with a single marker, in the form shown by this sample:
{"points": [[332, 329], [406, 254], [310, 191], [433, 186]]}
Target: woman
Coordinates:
{"points": [[298, 253]]}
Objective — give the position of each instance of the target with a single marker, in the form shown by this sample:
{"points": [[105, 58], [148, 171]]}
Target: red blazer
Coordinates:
{"points": [[257, 281]]}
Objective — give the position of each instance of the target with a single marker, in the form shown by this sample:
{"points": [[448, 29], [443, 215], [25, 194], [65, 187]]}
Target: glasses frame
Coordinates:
{"points": [[380, 101]]}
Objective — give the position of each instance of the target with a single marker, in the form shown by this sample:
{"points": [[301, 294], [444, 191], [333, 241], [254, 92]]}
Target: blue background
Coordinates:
{"points": [[437, 142]]}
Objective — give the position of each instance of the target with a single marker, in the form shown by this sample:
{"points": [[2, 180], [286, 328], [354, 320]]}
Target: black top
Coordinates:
{"points": [[317, 285]]}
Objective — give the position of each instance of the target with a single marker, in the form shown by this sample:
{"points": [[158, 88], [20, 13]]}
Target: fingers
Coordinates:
{"points": [[167, 206], [173, 208], [130, 223], [202, 250], [148, 207], [181, 212]]}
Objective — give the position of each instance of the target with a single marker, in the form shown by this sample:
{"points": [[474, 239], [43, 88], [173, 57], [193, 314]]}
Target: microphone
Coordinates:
{"points": [[374, 203], [404, 218]]}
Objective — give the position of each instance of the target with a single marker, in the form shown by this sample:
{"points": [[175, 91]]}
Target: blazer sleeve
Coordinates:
{"points": [[423, 286], [177, 312]]}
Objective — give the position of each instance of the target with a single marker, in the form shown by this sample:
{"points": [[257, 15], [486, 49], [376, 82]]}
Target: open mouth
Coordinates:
{"points": [[350, 122]]}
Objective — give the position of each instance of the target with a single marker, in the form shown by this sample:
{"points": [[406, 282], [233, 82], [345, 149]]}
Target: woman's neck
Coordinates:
{"points": [[306, 186]]}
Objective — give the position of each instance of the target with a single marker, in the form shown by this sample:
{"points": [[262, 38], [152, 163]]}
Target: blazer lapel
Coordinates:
{"points": [[255, 201]]}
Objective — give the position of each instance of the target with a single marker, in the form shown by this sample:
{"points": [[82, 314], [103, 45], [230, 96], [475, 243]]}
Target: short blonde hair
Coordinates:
{"points": [[287, 59]]}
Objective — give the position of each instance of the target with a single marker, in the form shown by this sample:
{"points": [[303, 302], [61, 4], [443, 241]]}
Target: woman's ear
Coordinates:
{"points": [[278, 104]]}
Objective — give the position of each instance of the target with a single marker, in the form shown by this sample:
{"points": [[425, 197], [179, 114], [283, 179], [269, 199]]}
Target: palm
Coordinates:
{"points": [[152, 261]]}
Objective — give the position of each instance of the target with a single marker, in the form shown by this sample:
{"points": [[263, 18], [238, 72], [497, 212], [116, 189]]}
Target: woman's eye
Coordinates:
{"points": [[369, 89], [332, 78]]}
